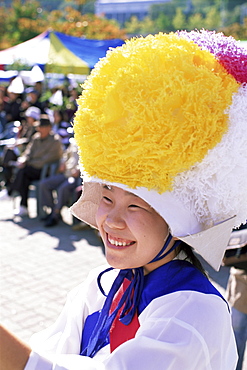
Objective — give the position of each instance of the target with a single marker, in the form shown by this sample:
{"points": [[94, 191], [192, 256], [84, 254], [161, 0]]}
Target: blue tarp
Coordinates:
{"points": [[88, 50]]}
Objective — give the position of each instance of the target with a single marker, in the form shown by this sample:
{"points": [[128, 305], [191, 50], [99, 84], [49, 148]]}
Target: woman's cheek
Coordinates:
{"points": [[98, 217]]}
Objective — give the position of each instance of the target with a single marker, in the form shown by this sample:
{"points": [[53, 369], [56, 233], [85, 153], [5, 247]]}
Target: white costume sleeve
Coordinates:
{"points": [[183, 330]]}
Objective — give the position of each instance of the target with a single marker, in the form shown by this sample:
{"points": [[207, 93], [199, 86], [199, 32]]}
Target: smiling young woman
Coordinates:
{"points": [[161, 132], [132, 231]]}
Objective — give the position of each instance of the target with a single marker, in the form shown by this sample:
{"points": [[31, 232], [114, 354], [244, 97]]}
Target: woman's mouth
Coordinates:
{"points": [[118, 243]]}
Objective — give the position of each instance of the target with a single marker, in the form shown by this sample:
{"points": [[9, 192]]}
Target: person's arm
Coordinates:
{"points": [[14, 353], [25, 156]]}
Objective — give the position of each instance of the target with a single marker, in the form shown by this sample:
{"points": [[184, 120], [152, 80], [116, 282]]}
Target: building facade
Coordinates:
{"points": [[123, 10]]}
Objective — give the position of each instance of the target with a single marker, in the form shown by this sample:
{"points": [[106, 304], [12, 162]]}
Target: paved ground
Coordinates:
{"points": [[40, 265]]}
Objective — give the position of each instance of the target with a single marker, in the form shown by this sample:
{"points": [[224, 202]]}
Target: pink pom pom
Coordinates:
{"points": [[227, 51]]}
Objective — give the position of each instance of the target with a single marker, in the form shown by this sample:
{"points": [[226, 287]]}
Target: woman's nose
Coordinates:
{"points": [[115, 220]]}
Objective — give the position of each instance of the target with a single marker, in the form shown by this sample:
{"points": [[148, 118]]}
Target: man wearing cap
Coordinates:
{"points": [[25, 132], [44, 147], [32, 115]]}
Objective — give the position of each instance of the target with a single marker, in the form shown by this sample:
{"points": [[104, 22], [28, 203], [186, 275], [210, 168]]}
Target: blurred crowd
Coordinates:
{"points": [[58, 102], [37, 147]]}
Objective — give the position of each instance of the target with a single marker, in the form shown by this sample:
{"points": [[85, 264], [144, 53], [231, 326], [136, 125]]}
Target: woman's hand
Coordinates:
{"points": [[14, 353]]}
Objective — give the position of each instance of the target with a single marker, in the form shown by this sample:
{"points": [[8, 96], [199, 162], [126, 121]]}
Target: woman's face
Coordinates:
{"points": [[133, 233]]}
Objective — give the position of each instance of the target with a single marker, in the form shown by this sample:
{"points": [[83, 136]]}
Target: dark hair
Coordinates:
{"points": [[44, 120], [191, 257]]}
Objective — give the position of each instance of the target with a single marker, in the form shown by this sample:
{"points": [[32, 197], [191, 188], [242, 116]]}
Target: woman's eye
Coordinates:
{"points": [[108, 200]]}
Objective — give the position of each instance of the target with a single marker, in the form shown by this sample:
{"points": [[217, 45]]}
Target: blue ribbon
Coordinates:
{"points": [[129, 301]]}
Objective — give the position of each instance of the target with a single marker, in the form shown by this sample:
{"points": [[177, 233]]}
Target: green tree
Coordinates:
{"points": [[179, 21], [231, 4], [23, 21], [168, 9], [164, 23], [191, 14], [202, 6], [135, 27], [212, 20], [195, 21]]}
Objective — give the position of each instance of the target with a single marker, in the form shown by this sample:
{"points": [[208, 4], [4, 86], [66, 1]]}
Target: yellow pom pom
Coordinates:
{"points": [[150, 110]]}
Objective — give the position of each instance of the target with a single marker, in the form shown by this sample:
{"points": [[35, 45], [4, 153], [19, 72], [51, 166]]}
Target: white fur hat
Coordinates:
{"points": [[165, 117]]}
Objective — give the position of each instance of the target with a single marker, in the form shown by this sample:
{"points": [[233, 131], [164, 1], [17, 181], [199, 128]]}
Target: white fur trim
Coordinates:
{"points": [[216, 188]]}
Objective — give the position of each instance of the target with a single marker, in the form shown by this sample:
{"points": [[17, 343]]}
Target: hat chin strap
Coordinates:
{"points": [[160, 255], [128, 302]]}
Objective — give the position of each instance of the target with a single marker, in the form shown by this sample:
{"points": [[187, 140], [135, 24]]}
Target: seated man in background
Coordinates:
{"points": [[13, 150], [28, 125], [44, 147], [64, 182]]}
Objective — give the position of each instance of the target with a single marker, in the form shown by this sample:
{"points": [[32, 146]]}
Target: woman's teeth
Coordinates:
{"points": [[118, 243]]}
